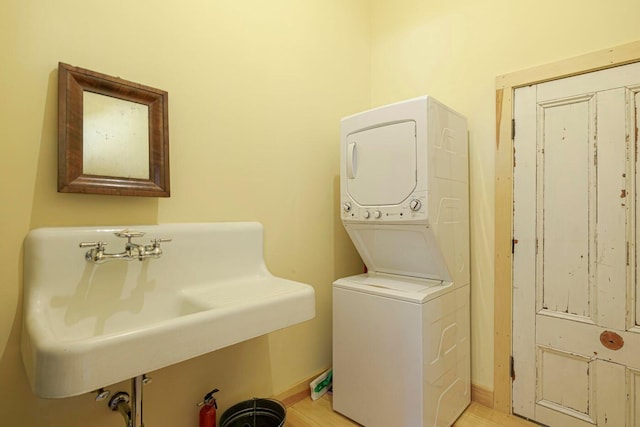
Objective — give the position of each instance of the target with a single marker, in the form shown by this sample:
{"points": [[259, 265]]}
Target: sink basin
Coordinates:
{"points": [[90, 325]]}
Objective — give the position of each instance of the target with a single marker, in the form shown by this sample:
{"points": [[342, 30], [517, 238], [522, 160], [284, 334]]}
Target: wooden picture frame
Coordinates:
{"points": [[113, 135]]}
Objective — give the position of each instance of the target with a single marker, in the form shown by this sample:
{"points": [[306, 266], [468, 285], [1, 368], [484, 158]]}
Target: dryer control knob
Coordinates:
{"points": [[415, 205], [377, 214], [366, 214], [346, 207]]}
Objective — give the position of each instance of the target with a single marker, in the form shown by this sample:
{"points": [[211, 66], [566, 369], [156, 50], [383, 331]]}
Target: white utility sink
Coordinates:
{"points": [[90, 325]]}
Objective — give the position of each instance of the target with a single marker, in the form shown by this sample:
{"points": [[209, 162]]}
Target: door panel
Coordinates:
{"points": [[574, 279], [566, 173], [565, 383], [612, 225], [603, 378]]}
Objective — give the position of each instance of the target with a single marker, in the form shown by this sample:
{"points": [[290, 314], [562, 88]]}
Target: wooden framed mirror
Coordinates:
{"points": [[113, 135]]}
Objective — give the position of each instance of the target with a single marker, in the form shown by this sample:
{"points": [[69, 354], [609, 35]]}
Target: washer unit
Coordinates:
{"points": [[401, 353]]}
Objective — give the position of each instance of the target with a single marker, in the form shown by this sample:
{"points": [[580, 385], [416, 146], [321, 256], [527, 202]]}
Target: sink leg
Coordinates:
{"points": [[136, 404]]}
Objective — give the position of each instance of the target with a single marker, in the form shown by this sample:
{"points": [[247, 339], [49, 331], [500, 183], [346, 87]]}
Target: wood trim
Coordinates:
{"points": [[505, 85], [298, 392], [503, 227], [482, 395], [600, 60], [302, 391]]}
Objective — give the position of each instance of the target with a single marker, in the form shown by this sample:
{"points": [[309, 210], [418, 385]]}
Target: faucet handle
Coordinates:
{"points": [[94, 255], [129, 234], [98, 245], [160, 240], [155, 243]]}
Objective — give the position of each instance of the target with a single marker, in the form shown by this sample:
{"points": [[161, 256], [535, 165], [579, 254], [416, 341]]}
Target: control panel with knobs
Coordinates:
{"points": [[413, 210]]}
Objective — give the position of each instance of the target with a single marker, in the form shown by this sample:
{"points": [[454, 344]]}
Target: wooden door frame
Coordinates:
{"points": [[503, 263]]}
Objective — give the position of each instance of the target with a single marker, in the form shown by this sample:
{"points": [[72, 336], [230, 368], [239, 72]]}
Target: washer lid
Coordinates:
{"points": [[401, 288], [381, 164]]}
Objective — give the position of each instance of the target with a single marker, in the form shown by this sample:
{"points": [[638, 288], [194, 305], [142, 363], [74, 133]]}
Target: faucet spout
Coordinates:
{"points": [[102, 257]]}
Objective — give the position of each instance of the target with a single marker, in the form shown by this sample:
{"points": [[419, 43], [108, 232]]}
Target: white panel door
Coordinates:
{"points": [[576, 311]]}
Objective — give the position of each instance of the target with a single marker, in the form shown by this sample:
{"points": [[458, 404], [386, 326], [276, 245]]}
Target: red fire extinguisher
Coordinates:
{"points": [[208, 410]]}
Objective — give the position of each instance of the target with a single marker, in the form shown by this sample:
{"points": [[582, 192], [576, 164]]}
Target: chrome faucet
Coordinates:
{"points": [[132, 251]]}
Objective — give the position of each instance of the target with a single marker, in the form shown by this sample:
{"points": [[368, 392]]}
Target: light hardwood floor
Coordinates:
{"points": [[319, 413]]}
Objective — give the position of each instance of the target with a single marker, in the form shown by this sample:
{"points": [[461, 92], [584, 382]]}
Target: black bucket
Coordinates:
{"points": [[255, 413]]}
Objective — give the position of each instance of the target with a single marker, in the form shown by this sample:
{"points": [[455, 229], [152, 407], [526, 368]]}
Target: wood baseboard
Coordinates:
{"points": [[296, 393], [482, 395], [301, 391]]}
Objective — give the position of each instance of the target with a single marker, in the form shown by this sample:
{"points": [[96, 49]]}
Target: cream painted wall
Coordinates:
{"points": [[454, 50], [256, 91]]}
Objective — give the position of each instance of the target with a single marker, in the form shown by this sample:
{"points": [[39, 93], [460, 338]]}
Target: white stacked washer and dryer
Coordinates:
{"points": [[401, 345]]}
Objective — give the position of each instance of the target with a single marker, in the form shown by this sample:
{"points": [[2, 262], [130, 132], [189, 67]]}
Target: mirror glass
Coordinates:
{"points": [[115, 137]]}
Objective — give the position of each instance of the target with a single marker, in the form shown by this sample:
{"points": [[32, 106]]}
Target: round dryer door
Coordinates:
{"points": [[381, 164]]}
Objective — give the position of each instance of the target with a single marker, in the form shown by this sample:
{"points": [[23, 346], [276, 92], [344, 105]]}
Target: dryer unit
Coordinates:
{"points": [[401, 332]]}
